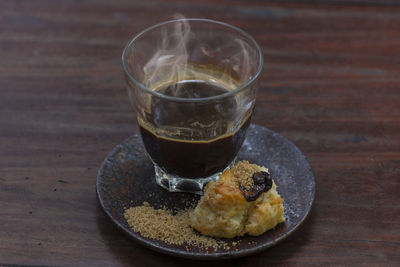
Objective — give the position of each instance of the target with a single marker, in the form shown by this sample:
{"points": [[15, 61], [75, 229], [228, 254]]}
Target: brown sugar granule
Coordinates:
{"points": [[243, 173], [163, 225]]}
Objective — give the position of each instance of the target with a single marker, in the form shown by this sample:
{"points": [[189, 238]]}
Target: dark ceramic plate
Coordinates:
{"points": [[126, 178]]}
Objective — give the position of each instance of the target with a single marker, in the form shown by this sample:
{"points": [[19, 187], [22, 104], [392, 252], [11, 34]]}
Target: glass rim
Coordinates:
{"points": [[182, 99]]}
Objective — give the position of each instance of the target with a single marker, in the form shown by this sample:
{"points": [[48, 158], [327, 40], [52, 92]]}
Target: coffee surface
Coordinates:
{"points": [[192, 120]]}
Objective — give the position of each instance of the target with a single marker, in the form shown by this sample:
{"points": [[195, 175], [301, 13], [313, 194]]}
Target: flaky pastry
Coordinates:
{"points": [[234, 205]]}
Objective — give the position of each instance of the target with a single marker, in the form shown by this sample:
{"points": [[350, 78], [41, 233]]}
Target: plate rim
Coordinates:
{"points": [[229, 254]]}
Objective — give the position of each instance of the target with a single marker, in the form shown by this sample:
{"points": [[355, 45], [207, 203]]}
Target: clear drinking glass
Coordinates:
{"points": [[193, 85]]}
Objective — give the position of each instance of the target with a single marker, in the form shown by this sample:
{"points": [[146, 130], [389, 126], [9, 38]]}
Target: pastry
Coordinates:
{"points": [[243, 201]]}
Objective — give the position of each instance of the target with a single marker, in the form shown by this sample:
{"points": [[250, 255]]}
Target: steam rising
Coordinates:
{"points": [[183, 55], [171, 56]]}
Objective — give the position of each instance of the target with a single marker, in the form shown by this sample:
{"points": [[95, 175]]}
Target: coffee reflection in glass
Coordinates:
{"points": [[193, 84]]}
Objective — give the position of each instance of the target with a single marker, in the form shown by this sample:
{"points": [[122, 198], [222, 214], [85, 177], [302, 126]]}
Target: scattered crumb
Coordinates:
{"points": [[55, 189], [174, 229], [30, 212], [63, 182]]}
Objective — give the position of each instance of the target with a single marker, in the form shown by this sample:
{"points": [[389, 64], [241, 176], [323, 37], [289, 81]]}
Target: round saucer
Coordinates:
{"points": [[126, 179]]}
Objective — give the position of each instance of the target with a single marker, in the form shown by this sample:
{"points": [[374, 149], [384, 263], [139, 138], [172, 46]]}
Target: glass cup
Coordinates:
{"points": [[193, 85]]}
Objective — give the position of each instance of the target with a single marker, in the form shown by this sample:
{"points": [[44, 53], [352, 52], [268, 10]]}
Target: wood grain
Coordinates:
{"points": [[330, 84]]}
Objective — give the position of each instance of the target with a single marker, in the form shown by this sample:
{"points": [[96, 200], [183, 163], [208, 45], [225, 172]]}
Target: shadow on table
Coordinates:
{"points": [[128, 252]]}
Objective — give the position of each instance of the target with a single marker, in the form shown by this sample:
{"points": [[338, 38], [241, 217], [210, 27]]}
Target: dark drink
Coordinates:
{"points": [[192, 140], [193, 84]]}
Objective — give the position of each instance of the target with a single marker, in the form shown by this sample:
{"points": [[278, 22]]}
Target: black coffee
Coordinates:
{"points": [[206, 148]]}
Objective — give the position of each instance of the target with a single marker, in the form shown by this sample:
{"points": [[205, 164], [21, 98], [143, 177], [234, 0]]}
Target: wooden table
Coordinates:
{"points": [[330, 84]]}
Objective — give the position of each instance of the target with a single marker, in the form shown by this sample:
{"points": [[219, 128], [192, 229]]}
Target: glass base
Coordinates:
{"points": [[175, 183]]}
